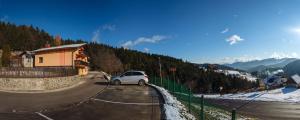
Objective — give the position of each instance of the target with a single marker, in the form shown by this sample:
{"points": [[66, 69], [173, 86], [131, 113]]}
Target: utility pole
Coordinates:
{"points": [[160, 71]]}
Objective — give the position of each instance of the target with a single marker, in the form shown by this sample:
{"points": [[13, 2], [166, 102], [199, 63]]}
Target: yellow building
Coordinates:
{"points": [[62, 56]]}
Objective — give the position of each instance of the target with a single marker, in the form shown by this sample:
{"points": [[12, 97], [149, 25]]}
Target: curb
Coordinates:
{"points": [[163, 116]]}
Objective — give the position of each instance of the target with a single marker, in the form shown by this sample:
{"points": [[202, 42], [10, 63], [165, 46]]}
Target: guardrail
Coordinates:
{"points": [[197, 106]]}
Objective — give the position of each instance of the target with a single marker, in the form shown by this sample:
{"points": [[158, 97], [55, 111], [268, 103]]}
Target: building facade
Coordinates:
{"points": [[27, 59], [62, 56]]}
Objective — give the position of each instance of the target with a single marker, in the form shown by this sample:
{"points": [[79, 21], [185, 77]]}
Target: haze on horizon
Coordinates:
{"points": [[203, 31]]}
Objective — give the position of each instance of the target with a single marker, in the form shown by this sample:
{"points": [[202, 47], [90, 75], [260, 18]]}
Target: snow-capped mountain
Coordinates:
{"points": [[258, 65]]}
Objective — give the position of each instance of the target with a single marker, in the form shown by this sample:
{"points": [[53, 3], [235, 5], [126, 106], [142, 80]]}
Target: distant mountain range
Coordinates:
{"points": [[260, 65], [266, 67]]}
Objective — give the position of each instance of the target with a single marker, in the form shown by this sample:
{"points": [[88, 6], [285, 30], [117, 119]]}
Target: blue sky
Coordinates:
{"points": [[215, 31]]}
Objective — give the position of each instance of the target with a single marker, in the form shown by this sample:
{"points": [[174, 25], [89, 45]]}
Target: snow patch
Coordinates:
{"points": [[243, 75], [284, 94], [174, 110]]}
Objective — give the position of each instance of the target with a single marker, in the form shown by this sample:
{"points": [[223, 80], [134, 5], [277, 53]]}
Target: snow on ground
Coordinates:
{"points": [[174, 110], [285, 94], [243, 75]]}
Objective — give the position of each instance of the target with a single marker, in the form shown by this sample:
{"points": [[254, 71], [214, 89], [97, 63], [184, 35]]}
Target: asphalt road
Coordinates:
{"points": [[262, 110], [33, 102], [92, 100]]}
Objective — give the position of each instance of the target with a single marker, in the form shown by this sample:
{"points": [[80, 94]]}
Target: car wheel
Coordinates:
{"points": [[117, 82], [141, 83]]}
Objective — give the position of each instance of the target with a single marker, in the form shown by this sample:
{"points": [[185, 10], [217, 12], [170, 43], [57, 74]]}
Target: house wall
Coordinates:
{"points": [[59, 58], [27, 62]]}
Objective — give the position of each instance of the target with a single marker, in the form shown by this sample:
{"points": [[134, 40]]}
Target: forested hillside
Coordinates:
{"points": [[292, 68], [115, 60]]}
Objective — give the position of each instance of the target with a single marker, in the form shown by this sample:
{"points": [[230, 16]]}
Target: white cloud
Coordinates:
{"points": [[153, 39], [279, 55], [109, 27], [225, 30], [234, 39], [225, 60], [97, 33], [4, 18], [295, 30], [146, 49], [96, 36]]}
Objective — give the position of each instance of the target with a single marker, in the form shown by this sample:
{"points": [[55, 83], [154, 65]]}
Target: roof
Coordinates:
{"points": [[60, 47], [296, 78], [27, 52]]}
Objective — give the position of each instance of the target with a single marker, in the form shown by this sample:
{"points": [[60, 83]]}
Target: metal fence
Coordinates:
{"points": [[198, 106], [36, 72]]}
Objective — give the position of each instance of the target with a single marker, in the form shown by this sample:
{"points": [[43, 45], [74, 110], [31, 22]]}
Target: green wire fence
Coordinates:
{"points": [[197, 106]]}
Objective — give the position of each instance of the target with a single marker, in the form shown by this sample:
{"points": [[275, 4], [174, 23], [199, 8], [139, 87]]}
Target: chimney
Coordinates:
{"points": [[57, 40], [47, 45]]}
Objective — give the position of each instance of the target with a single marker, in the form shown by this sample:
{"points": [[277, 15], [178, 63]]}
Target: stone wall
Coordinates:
{"points": [[37, 84]]}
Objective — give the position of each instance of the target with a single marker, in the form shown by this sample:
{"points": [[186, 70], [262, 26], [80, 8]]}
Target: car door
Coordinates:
{"points": [[135, 77], [125, 77], [132, 78]]}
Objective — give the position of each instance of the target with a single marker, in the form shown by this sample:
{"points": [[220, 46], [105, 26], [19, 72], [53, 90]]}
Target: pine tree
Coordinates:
{"points": [[6, 55]]}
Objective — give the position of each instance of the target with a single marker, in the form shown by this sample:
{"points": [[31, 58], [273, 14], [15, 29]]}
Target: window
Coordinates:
{"points": [[41, 60], [137, 73], [127, 74]]}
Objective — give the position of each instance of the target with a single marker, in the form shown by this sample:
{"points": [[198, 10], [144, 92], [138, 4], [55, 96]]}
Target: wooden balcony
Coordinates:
{"points": [[81, 64], [81, 56]]}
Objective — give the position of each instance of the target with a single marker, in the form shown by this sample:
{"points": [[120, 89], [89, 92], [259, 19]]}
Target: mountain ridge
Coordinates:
{"points": [[258, 65]]}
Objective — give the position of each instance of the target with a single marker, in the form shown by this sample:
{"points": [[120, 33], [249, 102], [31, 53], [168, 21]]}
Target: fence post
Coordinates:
{"points": [[202, 108], [233, 113], [174, 87], [161, 83], [180, 91], [190, 99], [167, 86]]}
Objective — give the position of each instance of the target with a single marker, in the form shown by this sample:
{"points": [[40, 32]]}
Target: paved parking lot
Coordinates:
{"points": [[115, 103], [126, 102]]}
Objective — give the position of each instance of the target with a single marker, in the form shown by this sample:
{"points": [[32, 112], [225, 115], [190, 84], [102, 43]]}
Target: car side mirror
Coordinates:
{"points": [[122, 76]]}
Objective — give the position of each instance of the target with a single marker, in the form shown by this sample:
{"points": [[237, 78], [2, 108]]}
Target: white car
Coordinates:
{"points": [[131, 77]]}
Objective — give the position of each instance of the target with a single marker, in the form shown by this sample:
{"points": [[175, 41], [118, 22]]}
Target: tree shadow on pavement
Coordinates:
{"points": [[101, 83]]}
